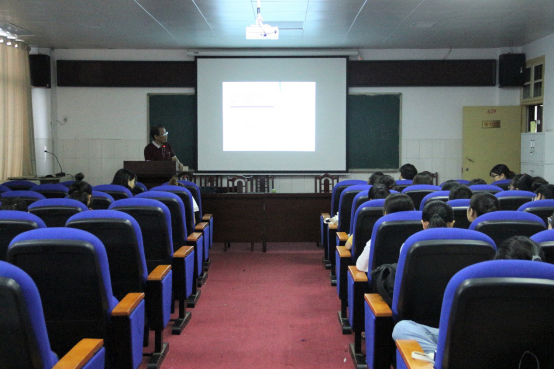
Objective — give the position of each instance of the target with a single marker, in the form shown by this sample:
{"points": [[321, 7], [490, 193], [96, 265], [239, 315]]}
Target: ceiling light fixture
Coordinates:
{"points": [[261, 31]]}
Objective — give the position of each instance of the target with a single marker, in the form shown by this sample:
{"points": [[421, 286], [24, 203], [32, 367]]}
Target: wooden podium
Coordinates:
{"points": [[152, 173]]}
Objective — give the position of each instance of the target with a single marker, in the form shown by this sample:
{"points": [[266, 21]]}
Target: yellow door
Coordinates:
{"points": [[492, 135]]}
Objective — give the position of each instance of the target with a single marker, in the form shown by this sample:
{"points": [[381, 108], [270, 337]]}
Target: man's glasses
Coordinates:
{"points": [[167, 132]]}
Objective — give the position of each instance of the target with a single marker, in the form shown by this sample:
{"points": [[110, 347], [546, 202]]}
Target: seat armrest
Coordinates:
{"points": [[194, 237], [325, 215], [379, 307], [343, 252], [80, 354], [159, 272], [201, 226], [357, 275], [207, 217], [342, 237], [405, 347], [128, 304], [333, 226], [183, 251]]}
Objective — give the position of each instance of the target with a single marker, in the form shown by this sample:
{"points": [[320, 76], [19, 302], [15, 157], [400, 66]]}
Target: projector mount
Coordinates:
{"points": [[261, 31]]}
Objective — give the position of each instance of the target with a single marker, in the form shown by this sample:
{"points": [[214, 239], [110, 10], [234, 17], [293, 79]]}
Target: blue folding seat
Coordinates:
{"points": [[116, 191], [460, 206], [13, 223], [387, 237], [71, 271], [154, 219], [23, 333], [504, 184], [495, 315], [197, 195], [545, 239], [437, 195], [139, 188], [359, 199], [51, 190], [418, 192], [543, 208], [100, 200], [67, 183], [56, 211], [501, 225], [402, 184], [19, 184], [493, 189], [511, 200], [427, 262], [120, 233], [4, 189], [365, 217], [28, 196]]}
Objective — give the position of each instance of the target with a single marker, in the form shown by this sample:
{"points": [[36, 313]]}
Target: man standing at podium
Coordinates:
{"points": [[159, 149]]}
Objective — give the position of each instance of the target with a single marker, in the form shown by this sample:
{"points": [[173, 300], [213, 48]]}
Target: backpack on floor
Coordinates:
{"points": [[382, 281]]}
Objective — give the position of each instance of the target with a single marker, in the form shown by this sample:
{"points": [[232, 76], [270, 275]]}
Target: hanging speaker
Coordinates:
{"points": [[510, 70], [40, 70]]}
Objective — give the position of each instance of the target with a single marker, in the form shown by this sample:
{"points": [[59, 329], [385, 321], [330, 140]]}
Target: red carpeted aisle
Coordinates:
{"points": [[263, 310]]}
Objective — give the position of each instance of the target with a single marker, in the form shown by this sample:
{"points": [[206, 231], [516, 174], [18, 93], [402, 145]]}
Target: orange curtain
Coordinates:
{"points": [[17, 144]]}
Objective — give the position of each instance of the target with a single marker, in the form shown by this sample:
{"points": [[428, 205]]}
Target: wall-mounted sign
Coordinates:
{"points": [[491, 124]]}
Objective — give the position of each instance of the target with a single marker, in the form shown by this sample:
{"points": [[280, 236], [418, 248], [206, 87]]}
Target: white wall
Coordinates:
{"points": [[105, 126]]}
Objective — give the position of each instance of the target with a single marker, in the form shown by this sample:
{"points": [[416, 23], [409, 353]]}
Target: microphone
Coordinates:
{"points": [[61, 173]]}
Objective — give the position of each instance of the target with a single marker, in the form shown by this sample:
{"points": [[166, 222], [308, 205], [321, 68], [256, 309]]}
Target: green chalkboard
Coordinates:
{"points": [[177, 112], [373, 131]]}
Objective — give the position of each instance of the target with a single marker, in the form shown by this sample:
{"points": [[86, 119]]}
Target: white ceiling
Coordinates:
{"points": [[371, 24]]}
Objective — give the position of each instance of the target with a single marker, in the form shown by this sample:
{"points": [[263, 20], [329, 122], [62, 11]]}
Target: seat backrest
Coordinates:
{"points": [[388, 235], [359, 199], [154, 220], [120, 233], [485, 189], [504, 184], [460, 206], [56, 211], [338, 189], [23, 333], [70, 269], [187, 212], [13, 223], [27, 195], [460, 181], [437, 195], [402, 184], [493, 312], [345, 205], [418, 192], [511, 200], [4, 189], [545, 239], [364, 219], [19, 184], [543, 208], [51, 190], [501, 225], [100, 200], [195, 192], [141, 186], [427, 262], [116, 191]]}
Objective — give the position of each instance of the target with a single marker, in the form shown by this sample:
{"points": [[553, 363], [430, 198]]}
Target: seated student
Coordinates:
{"points": [[14, 204], [545, 192], [422, 178], [393, 203], [460, 192], [501, 172], [81, 190], [521, 182], [477, 182], [407, 171], [437, 213], [373, 178], [481, 203], [450, 184], [516, 247], [386, 180], [537, 182], [126, 178]]}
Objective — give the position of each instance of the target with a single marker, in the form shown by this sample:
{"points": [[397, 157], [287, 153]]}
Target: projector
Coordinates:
{"points": [[262, 32]]}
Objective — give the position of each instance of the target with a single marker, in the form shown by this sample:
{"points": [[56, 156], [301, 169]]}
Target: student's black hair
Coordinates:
{"points": [[450, 184], [519, 248], [477, 182], [537, 182], [422, 178], [397, 202], [386, 180], [500, 169], [484, 203], [155, 130], [378, 191], [14, 204], [408, 171], [437, 213], [547, 191], [374, 176], [460, 192], [122, 177], [80, 190], [522, 182]]}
